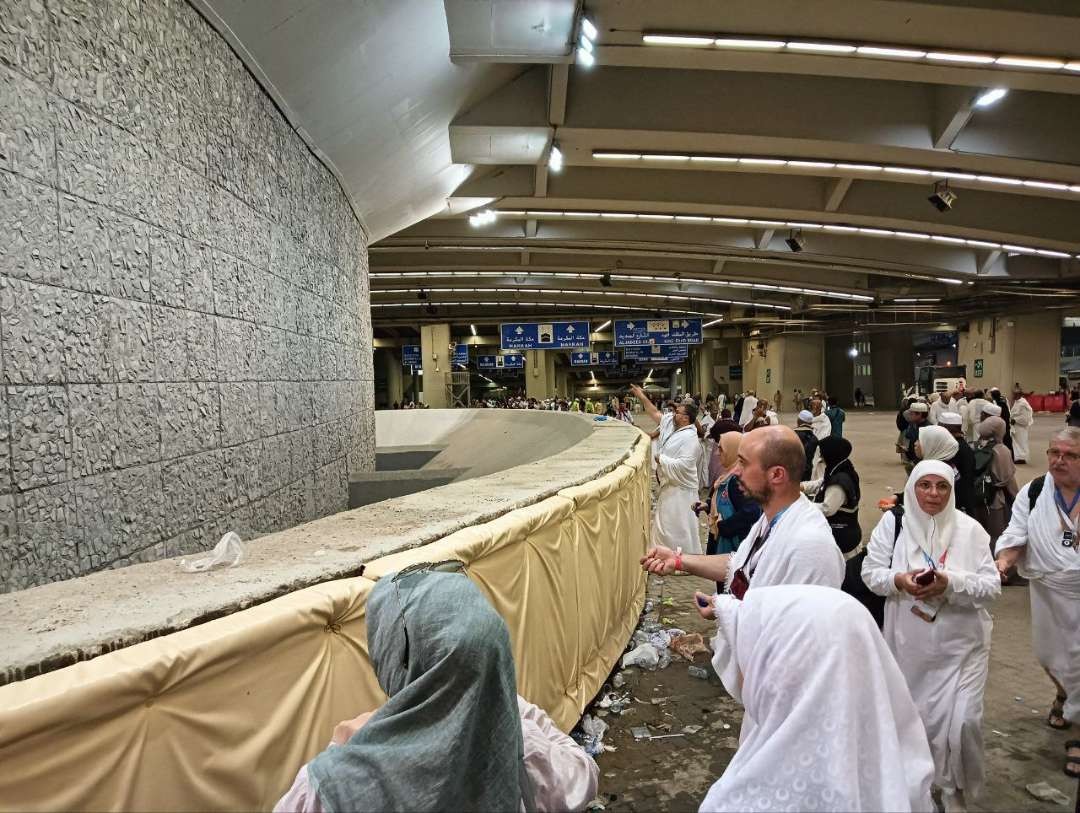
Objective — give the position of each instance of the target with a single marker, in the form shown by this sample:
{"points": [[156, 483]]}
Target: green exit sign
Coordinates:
{"points": [[978, 368]]}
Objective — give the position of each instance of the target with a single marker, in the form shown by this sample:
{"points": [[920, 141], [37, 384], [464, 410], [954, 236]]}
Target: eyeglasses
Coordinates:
{"points": [[1068, 457], [446, 566]]}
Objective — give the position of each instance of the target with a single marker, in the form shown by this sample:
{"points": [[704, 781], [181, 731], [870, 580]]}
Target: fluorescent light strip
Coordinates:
{"points": [[621, 277], [738, 42], [838, 228], [1033, 183]]}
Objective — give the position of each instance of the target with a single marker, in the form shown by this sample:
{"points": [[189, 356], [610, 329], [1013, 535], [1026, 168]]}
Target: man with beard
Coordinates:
{"points": [[802, 551]]}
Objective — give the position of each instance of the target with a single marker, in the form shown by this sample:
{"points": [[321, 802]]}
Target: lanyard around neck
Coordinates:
{"points": [[1060, 500]]}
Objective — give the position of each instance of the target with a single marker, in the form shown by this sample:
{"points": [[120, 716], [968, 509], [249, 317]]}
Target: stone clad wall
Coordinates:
{"points": [[184, 315]]}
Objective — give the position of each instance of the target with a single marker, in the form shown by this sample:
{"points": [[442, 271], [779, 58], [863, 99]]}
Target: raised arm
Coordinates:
{"points": [[646, 404]]}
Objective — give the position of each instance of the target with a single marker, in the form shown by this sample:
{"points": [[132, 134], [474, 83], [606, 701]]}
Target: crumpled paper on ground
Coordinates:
{"points": [[688, 645]]}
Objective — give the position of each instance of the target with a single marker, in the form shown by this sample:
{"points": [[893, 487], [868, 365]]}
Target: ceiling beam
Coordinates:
{"points": [[558, 80], [762, 238], [953, 108], [835, 193]]}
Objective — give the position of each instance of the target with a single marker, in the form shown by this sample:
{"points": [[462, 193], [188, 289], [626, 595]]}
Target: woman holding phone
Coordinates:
{"points": [[933, 565]]}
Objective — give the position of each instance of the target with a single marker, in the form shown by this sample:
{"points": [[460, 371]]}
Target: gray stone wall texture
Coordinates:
{"points": [[185, 331]]}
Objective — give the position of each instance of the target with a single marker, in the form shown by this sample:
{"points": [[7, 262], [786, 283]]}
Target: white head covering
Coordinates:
{"points": [[918, 406], [834, 725], [937, 443], [933, 398], [806, 416], [951, 418], [921, 532], [991, 409]]}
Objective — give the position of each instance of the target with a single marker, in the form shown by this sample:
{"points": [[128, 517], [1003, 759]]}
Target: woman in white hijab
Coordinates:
{"points": [[829, 723], [938, 577], [936, 443]]}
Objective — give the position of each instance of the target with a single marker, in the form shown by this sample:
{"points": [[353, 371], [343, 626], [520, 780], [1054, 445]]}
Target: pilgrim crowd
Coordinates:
{"points": [[926, 575], [860, 660]]}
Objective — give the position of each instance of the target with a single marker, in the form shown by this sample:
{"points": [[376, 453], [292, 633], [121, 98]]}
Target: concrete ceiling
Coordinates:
{"points": [[430, 110]]}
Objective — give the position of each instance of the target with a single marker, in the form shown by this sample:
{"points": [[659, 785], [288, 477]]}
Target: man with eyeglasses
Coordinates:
{"points": [[677, 451], [1042, 540], [790, 544]]}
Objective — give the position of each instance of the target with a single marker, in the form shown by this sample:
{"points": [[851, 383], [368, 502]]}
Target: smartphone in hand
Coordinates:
{"points": [[702, 602], [925, 577]]}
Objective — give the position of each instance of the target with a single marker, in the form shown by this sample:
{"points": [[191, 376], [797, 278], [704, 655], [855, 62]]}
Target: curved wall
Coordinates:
{"points": [[220, 716], [184, 320]]}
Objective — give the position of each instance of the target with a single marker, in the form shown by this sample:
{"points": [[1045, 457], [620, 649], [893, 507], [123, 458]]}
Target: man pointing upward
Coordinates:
{"points": [[790, 544], [676, 454]]}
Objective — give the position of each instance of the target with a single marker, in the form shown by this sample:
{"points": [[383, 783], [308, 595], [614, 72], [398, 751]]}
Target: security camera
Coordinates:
{"points": [[795, 241], [943, 197], [605, 280]]}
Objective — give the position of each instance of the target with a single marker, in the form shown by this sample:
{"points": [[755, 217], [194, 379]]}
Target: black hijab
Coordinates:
{"points": [[839, 470]]}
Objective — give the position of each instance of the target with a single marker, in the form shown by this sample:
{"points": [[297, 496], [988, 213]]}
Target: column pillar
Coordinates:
{"points": [[704, 381], [435, 357], [395, 376], [539, 373]]}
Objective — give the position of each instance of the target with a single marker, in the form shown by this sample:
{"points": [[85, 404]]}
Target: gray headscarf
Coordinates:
{"points": [[449, 737]]}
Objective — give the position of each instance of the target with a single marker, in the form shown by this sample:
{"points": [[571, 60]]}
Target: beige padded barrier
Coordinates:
{"points": [[220, 716]]}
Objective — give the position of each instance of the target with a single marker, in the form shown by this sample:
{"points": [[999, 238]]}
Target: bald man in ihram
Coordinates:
{"points": [[790, 544]]}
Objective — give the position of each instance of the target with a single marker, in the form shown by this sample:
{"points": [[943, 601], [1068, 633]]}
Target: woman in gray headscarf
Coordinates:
{"points": [[1000, 491], [454, 734]]}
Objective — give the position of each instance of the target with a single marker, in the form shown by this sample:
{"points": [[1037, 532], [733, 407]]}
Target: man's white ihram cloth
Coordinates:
{"points": [[1022, 417], [835, 727], [800, 550], [1054, 573], [945, 662], [674, 522]]}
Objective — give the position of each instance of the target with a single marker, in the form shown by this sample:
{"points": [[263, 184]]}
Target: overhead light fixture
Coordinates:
{"points": [[833, 167], [742, 222], [713, 322], [990, 97], [586, 50], [741, 42], [684, 40], [588, 29], [473, 329], [853, 352], [585, 57], [942, 197], [950, 281], [484, 218], [870, 50], [795, 241], [965, 58], [555, 158], [606, 324]]}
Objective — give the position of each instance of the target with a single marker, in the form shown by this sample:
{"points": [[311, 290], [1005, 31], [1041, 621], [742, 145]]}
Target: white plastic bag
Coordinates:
{"points": [[229, 552], [644, 656]]}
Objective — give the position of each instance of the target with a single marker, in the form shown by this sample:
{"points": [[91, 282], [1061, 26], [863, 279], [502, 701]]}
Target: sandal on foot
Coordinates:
{"points": [[1072, 763], [1056, 718]]}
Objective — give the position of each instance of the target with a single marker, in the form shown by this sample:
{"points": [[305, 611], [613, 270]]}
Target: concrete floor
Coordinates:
{"points": [[674, 774]]}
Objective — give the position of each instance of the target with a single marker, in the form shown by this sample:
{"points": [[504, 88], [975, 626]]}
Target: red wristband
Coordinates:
{"points": [[678, 561]]}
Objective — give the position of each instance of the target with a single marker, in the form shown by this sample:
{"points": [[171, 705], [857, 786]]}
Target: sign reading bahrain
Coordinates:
{"points": [[602, 358], [635, 332], [510, 361], [546, 336]]}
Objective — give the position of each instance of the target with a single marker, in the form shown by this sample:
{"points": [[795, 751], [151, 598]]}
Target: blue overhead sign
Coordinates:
{"points": [[544, 336], [636, 332], [602, 358], [508, 362], [461, 355], [655, 354], [410, 355]]}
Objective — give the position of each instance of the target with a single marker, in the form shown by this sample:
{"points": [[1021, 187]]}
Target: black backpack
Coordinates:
{"points": [[1034, 490], [984, 483]]}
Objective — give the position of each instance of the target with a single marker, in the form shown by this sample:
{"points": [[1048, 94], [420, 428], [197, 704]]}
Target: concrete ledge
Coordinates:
{"points": [[58, 624], [367, 488]]}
